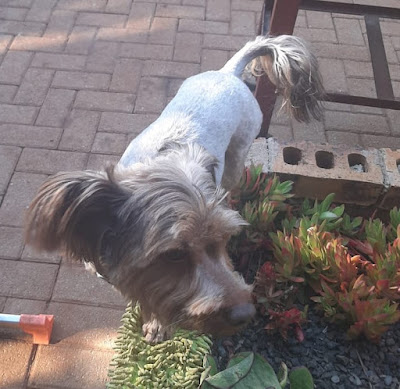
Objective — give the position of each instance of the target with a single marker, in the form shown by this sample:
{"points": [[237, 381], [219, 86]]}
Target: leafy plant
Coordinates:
{"points": [[369, 315], [287, 253], [350, 227], [249, 370], [376, 235], [285, 321], [316, 249], [372, 318], [322, 213], [384, 272], [251, 183], [259, 200], [268, 293]]}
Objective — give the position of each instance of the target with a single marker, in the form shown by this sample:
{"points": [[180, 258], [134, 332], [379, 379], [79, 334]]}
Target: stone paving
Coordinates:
{"points": [[78, 80]]}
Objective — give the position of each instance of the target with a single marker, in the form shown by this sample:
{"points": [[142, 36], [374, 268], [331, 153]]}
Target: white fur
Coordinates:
{"points": [[209, 109]]}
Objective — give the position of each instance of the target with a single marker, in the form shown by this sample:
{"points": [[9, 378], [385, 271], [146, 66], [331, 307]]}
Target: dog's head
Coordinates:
{"points": [[157, 231]]}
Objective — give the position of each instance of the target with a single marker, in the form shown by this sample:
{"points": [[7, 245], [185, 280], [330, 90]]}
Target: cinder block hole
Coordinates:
{"points": [[398, 165], [324, 159], [292, 155], [357, 162]]}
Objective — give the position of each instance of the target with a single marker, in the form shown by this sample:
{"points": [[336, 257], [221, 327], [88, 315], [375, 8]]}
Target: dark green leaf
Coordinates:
{"points": [[301, 378]]}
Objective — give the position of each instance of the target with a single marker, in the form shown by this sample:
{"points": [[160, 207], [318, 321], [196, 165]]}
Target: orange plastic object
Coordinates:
{"points": [[39, 326]]}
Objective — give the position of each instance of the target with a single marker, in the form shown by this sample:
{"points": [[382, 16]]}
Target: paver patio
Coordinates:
{"points": [[78, 80]]}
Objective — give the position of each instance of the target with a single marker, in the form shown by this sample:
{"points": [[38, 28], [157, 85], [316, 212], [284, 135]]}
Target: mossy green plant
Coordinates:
{"points": [[175, 363]]}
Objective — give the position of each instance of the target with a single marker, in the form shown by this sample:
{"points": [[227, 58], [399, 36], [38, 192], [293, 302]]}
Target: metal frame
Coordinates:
{"points": [[279, 17]]}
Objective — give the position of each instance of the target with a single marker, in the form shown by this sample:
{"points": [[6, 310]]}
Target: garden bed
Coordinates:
{"points": [[333, 360]]}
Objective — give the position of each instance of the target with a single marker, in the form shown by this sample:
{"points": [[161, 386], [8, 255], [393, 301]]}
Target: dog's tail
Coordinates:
{"points": [[290, 66]]}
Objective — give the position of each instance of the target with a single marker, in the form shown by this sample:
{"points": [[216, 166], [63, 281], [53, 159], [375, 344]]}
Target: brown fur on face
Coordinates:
{"points": [[156, 231]]}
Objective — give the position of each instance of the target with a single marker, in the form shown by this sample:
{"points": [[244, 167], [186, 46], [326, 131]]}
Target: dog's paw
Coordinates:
{"points": [[154, 332]]}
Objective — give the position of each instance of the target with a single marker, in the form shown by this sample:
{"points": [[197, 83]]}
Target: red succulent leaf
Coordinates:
{"points": [[286, 320], [361, 247], [299, 333], [382, 285], [297, 279], [268, 270], [327, 279], [268, 187]]}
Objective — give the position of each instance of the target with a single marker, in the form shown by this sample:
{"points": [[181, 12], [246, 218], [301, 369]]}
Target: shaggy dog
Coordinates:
{"points": [[156, 225]]}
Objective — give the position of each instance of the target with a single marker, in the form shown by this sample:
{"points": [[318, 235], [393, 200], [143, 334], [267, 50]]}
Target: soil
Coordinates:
{"points": [[334, 361]]}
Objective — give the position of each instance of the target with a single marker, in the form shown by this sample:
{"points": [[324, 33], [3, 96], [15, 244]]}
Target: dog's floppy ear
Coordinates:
{"points": [[76, 212]]}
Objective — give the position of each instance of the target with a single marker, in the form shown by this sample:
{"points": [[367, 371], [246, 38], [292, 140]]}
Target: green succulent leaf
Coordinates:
{"points": [[328, 215], [327, 202], [338, 211], [301, 378]]}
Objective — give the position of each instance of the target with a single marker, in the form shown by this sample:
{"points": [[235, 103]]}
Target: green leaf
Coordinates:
{"points": [[338, 211], [301, 378], [209, 361], [356, 221], [233, 374], [328, 215], [283, 375], [203, 376], [327, 202], [264, 373], [261, 375], [286, 186]]}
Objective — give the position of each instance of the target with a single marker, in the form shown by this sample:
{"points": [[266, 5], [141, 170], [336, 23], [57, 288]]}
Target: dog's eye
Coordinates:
{"points": [[174, 255]]}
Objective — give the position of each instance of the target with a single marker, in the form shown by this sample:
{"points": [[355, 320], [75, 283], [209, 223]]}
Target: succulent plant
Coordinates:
{"points": [[376, 235], [285, 321], [316, 248], [373, 317], [251, 183]]}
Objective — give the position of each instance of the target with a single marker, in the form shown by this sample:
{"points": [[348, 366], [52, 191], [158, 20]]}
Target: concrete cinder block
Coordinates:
{"points": [[354, 175], [391, 159]]}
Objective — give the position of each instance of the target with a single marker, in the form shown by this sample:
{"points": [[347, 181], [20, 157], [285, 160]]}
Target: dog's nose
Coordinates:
{"points": [[240, 314]]}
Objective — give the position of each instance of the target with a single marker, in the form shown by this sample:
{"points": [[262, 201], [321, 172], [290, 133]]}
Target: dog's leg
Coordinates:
{"points": [[235, 155], [234, 161], [153, 331]]}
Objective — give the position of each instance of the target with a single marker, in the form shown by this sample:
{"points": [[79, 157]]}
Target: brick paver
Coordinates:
{"points": [[27, 279], [78, 80], [76, 285], [14, 360], [68, 367], [96, 327]]}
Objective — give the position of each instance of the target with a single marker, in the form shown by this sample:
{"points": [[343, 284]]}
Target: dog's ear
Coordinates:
{"points": [[76, 212]]}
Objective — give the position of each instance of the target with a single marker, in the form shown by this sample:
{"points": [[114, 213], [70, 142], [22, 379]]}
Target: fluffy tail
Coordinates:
{"points": [[290, 66]]}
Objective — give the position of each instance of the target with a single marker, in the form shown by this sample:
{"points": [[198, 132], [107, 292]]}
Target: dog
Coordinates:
{"points": [[156, 225]]}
